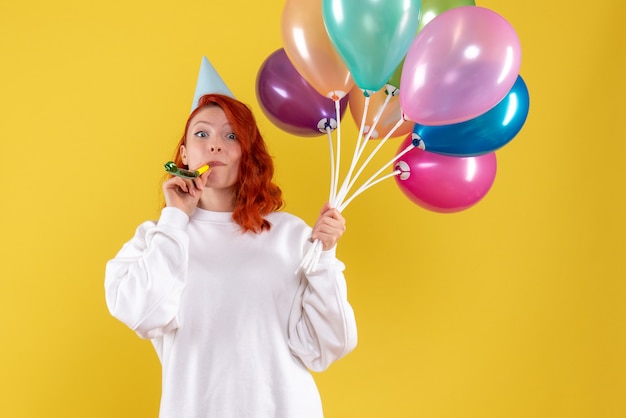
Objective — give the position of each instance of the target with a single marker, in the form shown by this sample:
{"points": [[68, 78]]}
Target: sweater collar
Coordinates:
{"points": [[207, 215]]}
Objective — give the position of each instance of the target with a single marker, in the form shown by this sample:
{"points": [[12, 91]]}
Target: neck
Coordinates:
{"points": [[217, 200]]}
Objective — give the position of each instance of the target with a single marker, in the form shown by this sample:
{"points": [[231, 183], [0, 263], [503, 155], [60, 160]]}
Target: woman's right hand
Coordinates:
{"points": [[184, 194]]}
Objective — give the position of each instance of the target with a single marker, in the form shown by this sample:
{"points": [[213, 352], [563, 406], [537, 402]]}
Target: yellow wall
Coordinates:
{"points": [[514, 308]]}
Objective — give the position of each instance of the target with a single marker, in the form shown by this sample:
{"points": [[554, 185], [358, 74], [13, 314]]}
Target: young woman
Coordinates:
{"points": [[214, 282]]}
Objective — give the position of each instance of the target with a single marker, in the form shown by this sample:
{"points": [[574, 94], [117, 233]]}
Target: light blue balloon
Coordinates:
{"points": [[371, 36], [485, 133]]}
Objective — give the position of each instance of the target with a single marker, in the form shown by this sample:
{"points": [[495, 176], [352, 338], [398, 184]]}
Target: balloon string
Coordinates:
{"points": [[316, 258], [332, 165], [344, 184], [390, 92], [375, 175], [366, 186], [335, 180], [363, 145], [369, 158], [310, 259], [337, 196], [375, 122]]}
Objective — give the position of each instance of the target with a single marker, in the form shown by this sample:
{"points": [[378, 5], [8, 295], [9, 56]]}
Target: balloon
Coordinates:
{"points": [[430, 9], [388, 118], [394, 80], [433, 8], [309, 49], [371, 36], [441, 183], [459, 66], [485, 133], [290, 103]]}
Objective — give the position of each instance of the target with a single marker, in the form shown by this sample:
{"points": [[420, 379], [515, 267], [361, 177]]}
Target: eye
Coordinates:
{"points": [[201, 134], [231, 136]]}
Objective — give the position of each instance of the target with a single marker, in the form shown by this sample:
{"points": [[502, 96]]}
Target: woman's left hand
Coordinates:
{"points": [[329, 227]]}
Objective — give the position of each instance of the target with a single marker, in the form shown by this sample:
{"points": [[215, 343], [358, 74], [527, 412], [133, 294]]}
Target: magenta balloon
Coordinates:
{"points": [[442, 183], [459, 66], [290, 102]]}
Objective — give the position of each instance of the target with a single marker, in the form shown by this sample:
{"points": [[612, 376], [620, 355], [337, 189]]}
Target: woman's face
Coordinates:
{"points": [[211, 140]]}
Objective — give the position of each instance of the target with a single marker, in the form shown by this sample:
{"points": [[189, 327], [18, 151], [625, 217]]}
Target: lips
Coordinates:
{"points": [[215, 164]]}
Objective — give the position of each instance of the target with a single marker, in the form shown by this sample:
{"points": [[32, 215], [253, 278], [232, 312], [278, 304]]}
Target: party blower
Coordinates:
{"points": [[173, 169]]}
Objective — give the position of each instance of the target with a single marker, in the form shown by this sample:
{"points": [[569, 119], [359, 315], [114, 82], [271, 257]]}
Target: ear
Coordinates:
{"points": [[183, 154]]}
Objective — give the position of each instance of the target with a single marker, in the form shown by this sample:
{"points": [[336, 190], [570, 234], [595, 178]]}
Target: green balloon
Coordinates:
{"points": [[430, 9], [394, 80], [433, 8]]}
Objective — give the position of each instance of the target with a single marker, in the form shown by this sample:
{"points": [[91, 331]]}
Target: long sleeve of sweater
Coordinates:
{"points": [[322, 325], [145, 280]]}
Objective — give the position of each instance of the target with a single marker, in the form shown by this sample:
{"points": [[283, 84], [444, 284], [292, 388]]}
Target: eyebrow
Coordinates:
{"points": [[226, 125]]}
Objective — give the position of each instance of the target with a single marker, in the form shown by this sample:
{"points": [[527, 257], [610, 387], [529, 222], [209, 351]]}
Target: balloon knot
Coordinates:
{"points": [[336, 95], [391, 90], [417, 141], [404, 170], [327, 125]]}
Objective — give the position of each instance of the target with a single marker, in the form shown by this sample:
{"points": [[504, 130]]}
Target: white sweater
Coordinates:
{"points": [[233, 325]]}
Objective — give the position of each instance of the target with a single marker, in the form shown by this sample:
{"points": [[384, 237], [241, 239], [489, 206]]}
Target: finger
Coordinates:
{"points": [[325, 208], [328, 241], [199, 182], [330, 231], [334, 214], [328, 234], [334, 220], [180, 185]]}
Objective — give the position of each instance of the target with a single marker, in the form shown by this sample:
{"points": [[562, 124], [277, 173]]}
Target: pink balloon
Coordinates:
{"points": [[459, 66], [442, 183]]}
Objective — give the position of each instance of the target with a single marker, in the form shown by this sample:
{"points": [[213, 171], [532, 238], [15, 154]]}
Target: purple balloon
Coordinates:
{"points": [[290, 102], [443, 183]]}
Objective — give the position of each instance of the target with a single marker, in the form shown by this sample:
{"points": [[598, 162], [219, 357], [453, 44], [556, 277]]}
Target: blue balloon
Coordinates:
{"points": [[483, 134]]}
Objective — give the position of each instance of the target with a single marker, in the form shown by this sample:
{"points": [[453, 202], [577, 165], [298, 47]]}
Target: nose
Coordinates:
{"points": [[215, 148]]}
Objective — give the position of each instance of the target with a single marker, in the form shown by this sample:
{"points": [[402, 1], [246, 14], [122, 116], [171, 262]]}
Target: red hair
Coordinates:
{"points": [[256, 195]]}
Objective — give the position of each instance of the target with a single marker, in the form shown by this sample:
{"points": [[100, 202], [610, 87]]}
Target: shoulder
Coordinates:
{"points": [[285, 218], [145, 226], [287, 221]]}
